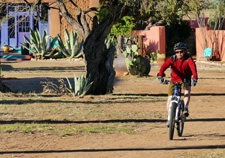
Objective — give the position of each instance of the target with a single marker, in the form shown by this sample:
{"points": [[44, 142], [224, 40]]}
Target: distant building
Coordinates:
{"points": [[18, 21]]}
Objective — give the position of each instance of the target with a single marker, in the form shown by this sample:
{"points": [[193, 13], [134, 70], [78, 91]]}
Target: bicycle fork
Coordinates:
{"points": [[177, 112], [177, 101]]}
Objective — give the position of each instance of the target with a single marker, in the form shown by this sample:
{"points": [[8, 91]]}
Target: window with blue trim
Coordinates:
{"points": [[24, 23]]}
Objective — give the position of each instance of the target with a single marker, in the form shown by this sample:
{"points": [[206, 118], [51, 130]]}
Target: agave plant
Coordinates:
{"points": [[81, 86], [72, 47], [39, 45]]}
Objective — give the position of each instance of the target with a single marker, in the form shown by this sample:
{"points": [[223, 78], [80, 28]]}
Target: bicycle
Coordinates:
{"points": [[176, 110]]}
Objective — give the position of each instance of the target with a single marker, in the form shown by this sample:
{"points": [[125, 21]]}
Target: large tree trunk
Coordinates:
{"points": [[99, 59], [100, 67]]}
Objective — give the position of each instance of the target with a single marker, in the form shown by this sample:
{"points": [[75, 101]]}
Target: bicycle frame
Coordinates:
{"points": [[177, 99]]}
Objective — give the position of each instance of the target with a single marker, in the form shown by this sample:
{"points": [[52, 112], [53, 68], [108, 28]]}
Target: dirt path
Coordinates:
{"points": [[204, 134]]}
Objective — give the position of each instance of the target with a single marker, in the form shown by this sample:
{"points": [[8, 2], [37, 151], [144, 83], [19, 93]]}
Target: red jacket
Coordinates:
{"points": [[181, 69]]}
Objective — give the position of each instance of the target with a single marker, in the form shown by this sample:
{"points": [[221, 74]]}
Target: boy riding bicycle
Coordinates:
{"points": [[183, 67]]}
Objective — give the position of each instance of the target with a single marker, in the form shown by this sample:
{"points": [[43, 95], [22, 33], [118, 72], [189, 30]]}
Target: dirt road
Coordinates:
{"points": [[142, 101]]}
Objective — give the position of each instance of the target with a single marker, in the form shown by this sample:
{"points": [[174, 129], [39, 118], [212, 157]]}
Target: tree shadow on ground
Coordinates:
{"points": [[104, 121], [211, 78], [35, 84], [30, 101], [117, 149], [206, 135], [118, 100], [6, 67], [165, 94], [124, 98], [73, 68], [80, 122], [21, 102]]}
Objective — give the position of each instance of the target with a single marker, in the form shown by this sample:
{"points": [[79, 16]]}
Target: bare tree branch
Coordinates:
{"points": [[48, 6], [27, 3], [92, 9], [85, 24], [69, 18], [159, 23], [75, 5]]}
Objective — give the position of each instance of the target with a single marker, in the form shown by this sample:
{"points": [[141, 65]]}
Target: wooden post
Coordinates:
{"points": [[140, 45]]}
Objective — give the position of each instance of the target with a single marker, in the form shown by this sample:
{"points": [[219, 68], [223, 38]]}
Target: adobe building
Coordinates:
{"points": [[19, 20]]}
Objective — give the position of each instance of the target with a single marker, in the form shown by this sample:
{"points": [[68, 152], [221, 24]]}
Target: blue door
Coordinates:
{"points": [[18, 24], [23, 28], [12, 27], [23, 23]]}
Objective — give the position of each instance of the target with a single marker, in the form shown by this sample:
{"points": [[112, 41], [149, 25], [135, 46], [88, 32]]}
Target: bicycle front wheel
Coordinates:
{"points": [[180, 123], [172, 120]]}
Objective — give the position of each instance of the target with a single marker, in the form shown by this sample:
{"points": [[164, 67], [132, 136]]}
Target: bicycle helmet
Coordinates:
{"points": [[179, 45]]}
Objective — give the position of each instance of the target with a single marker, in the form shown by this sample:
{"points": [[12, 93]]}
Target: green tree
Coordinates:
{"points": [[123, 27]]}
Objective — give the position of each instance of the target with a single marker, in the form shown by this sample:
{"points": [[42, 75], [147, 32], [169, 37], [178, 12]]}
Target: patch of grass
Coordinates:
{"points": [[37, 109], [108, 129], [69, 130], [215, 154], [33, 106], [25, 128], [22, 95], [156, 126], [191, 154], [133, 99], [212, 154]]}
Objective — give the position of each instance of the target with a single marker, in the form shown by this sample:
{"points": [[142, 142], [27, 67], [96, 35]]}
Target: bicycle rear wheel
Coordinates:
{"points": [[180, 123], [172, 120]]}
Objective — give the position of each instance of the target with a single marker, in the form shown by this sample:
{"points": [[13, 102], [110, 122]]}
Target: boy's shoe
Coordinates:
{"points": [[186, 112], [167, 124]]}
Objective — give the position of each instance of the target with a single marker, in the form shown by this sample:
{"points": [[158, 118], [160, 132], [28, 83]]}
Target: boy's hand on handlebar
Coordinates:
{"points": [[161, 79], [194, 82]]}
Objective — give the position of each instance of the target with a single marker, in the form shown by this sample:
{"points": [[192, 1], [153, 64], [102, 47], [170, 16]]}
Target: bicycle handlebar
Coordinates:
{"points": [[166, 82]]}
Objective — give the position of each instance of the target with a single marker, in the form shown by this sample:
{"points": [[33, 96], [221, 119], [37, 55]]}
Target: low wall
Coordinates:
{"points": [[154, 38], [215, 39]]}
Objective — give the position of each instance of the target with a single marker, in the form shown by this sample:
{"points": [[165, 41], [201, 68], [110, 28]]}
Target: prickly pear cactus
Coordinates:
{"points": [[136, 64]]}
